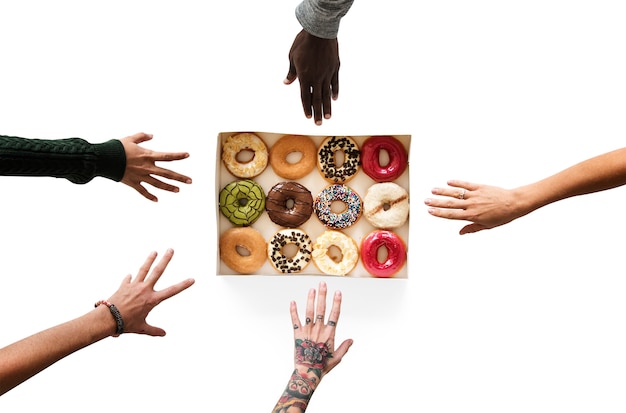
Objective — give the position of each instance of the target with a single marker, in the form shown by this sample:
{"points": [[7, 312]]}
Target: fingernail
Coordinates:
{"points": [[327, 116], [431, 211], [428, 201], [318, 122], [188, 181]]}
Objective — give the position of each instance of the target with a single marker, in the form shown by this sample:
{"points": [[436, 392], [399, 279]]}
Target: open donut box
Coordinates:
{"points": [[315, 183]]}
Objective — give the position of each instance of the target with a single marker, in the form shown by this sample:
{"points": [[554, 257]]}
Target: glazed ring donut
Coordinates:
{"points": [[245, 142], [396, 253], [242, 202], [326, 159], [249, 239], [338, 192], [370, 158], [276, 204], [298, 262], [289, 144], [386, 205], [347, 246]]}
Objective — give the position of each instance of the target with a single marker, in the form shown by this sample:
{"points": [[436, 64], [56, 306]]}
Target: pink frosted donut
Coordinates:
{"points": [[396, 253], [370, 162]]}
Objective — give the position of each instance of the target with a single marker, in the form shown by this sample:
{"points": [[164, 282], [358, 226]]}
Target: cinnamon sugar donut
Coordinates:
{"points": [[249, 239], [347, 246], [290, 144], [245, 142], [326, 159]]}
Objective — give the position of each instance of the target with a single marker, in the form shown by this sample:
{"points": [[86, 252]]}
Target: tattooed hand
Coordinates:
{"points": [[315, 354]]}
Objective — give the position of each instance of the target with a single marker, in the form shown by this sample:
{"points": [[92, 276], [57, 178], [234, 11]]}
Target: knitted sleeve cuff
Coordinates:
{"points": [[111, 157], [321, 17]]}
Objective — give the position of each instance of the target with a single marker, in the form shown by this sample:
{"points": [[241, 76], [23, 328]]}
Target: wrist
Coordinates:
{"points": [[115, 315]]}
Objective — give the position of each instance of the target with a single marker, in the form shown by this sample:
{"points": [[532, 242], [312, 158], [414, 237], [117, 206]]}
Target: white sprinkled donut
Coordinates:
{"points": [[338, 192], [386, 205], [347, 246], [326, 159], [245, 142], [298, 262]]}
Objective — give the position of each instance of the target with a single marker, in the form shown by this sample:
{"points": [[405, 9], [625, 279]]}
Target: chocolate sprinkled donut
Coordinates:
{"points": [[276, 204], [326, 159], [338, 192], [282, 263]]}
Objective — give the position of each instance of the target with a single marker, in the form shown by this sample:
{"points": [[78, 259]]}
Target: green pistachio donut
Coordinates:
{"points": [[242, 202]]}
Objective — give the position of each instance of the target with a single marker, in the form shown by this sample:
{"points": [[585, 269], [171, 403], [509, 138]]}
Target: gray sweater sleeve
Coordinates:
{"points": [[321, 17]]}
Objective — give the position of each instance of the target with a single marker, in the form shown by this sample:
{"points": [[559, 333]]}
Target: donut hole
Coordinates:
{"points": [[383, 157], [245, 155], [242, 202], [338, 207], [289, 250], [386, 206], [242, 251], [382, 253], [294, 157], [339, 157], [290, 203], [334, 253]]}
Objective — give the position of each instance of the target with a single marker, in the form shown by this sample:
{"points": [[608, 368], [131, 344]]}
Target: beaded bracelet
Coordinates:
{"points": [[116, 315]]}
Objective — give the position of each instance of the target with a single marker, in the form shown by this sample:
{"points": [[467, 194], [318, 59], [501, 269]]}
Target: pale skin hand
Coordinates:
{"points": [[315, 62], [313, 338], [489, 206], [25, 358], [141, 166]]}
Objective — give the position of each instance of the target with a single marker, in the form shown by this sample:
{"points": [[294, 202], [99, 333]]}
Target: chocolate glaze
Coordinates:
{"points": [[276, 204]]}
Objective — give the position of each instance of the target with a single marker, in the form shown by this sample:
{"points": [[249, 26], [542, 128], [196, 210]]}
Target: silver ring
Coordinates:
{"points": [[462, 194]]}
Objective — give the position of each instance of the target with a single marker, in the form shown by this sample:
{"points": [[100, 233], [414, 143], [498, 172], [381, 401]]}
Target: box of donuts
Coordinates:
{"points": [[290, 205]]}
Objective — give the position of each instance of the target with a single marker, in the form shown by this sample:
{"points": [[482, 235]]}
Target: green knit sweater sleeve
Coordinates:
{"points": [[74, 159]]}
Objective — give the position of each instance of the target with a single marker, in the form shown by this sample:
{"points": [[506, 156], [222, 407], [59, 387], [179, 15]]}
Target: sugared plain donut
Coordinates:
{"points": [[396, 253], [249, 239], [282, 263], [347, 246], [245, 141], [290, 144], [386, 205], [338, 192], [276, 204], [242, 202], [370, 158], [326, 159]]}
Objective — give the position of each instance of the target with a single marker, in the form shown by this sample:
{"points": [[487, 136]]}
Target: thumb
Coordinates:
{"points": [[140, 137], [471, 228], [292, 74]]}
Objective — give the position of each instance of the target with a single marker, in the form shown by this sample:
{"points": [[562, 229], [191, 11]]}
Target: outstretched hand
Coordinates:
{"points": [[315, 62], [136, 298], [141, 166], [485, 206]]}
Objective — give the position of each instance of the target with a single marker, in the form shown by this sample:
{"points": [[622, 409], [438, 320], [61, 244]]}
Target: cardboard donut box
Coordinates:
{"points": [[315, 183]]}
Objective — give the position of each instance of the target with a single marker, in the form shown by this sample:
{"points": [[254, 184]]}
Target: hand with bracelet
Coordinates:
{"points": [[124, 312], [315, 354]]}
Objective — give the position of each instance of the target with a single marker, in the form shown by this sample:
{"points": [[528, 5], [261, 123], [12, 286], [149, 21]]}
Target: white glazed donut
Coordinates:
{"points": [[386, 195], [294, 264], [349, 252], [242, 142]]}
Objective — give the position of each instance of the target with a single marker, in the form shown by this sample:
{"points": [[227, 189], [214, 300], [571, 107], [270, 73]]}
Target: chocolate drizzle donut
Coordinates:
{"points": [[278, 198], [326, 159], [279, 260]]}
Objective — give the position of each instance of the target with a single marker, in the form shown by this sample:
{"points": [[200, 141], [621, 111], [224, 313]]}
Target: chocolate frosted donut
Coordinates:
{"points": [[278, 208], [326, 159]]}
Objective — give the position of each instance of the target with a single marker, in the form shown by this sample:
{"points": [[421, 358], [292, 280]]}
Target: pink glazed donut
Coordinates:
{"points": [[370, 152], [396, 253]]}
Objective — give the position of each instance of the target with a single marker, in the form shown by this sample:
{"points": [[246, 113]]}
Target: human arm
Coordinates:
{"points": [[314, 55], [314, 354], [487, 206], [134, 299]]}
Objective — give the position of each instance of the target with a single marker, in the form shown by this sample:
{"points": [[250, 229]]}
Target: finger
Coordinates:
{"points": [[335, 310], [143, 270], [338, 355], [158, 270], [172, 290], [471, 228], [334, 85], [169, 156], [140, 137], [152, 331], [161, 185], [310, 307], [317, 104], [291, 74], [449, 203], [305, 96], [295, 320], [143, 191], [457, 214], [169, 174], [326, 101], [459, 193], [463, 184], [321, 304]]}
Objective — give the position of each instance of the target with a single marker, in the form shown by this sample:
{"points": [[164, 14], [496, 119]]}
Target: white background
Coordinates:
{"points": [[526, 317]]}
